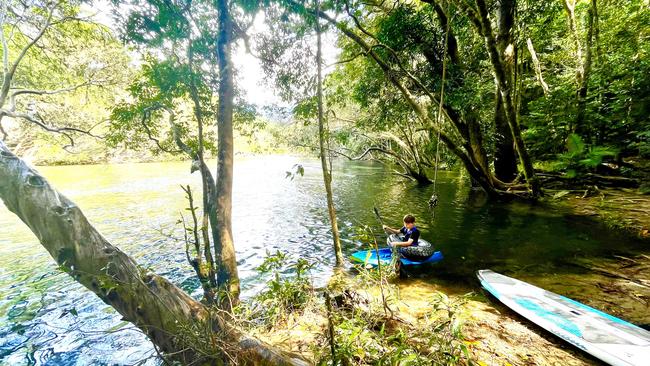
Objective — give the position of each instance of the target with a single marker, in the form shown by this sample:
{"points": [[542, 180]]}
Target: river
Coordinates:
{"points": [[47, 318]]}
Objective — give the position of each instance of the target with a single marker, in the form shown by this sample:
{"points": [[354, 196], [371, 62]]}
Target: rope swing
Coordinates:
{"points": [[433, 201]]}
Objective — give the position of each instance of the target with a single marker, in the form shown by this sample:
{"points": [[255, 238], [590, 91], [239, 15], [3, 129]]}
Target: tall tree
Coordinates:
{"points": [[505, 159], [188, 42], [323, 135], [480, 17], [227, 276]]}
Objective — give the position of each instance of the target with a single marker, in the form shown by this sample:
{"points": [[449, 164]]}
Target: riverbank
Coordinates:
{"points": [[620, 209], [91, 151], [468, 326]]}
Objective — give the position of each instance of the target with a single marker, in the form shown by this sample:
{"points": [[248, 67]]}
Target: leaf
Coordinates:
{"points": [[560, 194], [574, 144]]}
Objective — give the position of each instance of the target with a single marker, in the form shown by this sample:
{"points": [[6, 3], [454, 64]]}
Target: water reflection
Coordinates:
{"points": [[45, 317]]}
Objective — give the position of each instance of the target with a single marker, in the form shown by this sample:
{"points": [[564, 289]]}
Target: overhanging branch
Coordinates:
{"points": [[37, 120]]}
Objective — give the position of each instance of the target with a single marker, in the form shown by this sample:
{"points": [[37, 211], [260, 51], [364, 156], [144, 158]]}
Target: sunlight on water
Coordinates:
{"points": [[136, 207]]}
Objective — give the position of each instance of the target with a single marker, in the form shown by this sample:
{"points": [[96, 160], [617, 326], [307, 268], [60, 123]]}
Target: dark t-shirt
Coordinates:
{"points": [[411, 234]]}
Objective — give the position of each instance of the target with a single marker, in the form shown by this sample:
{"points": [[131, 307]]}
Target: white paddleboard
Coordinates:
{"points": [[606, 337]]}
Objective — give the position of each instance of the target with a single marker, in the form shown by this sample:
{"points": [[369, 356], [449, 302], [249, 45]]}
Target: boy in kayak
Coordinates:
{"points": [[409, 245]]}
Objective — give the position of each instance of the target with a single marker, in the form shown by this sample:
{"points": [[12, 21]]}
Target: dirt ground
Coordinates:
{"points": [[494, 334]]}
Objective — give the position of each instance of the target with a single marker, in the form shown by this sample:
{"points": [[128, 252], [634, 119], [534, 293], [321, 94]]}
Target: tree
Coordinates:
{"points": [[190, 43], [480, 18], [322, 136], [583, 68], [184, 329], [225, 248], [39, 73], [372, 38]]}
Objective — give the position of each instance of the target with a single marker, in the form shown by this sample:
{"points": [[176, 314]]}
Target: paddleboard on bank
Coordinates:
{"points": [[606, 337]]}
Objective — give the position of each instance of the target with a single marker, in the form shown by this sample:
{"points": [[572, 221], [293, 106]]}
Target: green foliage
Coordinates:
{"points": [[642, 143], [437, 338], [79, 69], [617, 105], [617, 102], [579, 159], [297, 169], [289, 290], [306, 110], [159, 92]]}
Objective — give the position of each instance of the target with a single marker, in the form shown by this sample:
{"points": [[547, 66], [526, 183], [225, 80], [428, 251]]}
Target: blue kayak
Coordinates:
{"points": [[369, 257]]}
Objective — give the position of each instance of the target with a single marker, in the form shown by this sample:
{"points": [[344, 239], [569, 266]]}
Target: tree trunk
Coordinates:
{"points": [[327, 176], [225, 258], [505, 159], [208, 189], [177, 324], [583, 127], [569, 7], [452, 43], [506, 95], [538, 66], [475, 146]]}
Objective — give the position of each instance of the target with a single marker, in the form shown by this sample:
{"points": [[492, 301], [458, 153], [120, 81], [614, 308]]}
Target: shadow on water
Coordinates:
{"points": [[45, 317]]}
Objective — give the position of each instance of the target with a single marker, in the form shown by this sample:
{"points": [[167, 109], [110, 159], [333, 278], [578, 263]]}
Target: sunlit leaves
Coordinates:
{"points": [[77, 70]]}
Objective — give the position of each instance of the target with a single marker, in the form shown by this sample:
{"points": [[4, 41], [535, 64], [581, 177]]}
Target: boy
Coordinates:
{"points": [[409, 230], [409, 246]]}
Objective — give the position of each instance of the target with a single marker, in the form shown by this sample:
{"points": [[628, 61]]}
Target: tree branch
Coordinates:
{"points": [[538, 67], [37, 120], [3, 40], [345, 61], [9, 75], [17, 92]]}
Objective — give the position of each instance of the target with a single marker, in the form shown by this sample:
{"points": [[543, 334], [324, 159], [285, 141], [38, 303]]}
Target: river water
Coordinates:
{"points": [[47, 318]]}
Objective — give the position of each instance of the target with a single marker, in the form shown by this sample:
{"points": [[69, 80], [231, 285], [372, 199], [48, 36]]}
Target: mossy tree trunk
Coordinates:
{"points": [[481, 19]]}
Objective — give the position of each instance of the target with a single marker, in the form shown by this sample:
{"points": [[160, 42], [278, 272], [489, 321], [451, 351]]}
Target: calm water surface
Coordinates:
{"points": [[47, 318]]}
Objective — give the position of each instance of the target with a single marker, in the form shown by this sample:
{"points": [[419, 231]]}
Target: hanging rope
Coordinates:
{"points": [[433, 201]]}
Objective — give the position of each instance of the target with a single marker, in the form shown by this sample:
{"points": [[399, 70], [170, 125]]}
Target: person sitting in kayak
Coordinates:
{"points": [[408, 244]]}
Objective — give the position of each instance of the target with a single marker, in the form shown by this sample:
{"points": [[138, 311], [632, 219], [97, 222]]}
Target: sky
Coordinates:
{"points": [[250, 77]]}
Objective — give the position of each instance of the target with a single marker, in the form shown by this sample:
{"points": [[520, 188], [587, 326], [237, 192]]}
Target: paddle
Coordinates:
{"points": [[397, 262], [381, 221]]}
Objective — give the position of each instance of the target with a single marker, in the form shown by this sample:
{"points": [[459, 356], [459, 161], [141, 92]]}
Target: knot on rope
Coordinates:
{"points": [[433, 201]]}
